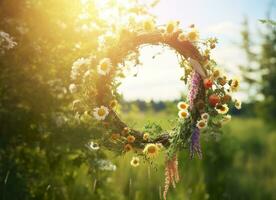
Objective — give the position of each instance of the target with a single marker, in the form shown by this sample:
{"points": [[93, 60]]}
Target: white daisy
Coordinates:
{"points": [[182, 105], [135, 162], [201, 124], [73, 88], [238, 104], [104, 66], [226, 119], [183, 114], [222, 109], [94, 146], [100, 113], [205, 116]]}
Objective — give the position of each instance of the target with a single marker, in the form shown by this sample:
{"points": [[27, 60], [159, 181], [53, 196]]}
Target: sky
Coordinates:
{"points": [[158, 78]]}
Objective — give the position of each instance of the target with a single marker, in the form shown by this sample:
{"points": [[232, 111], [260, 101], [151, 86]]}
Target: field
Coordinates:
{"points": [[239, 165]]}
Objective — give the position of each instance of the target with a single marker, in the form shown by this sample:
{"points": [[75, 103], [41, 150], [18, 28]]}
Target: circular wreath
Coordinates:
{"points": [[203, 111]]}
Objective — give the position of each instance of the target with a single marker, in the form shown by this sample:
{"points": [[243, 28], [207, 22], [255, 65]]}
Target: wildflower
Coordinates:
{"points": [[94, 146], [128, 147], [171, 26], [149, 25], [205, 116], [100, 113], [77, 65], [130, 139], [195, 143], [181, 37], [216, 73], [125, 131], [135, 162], [113, 104], [104, 66], [193, 35], [238, 104], [194, 85], [235, 84], [201, 124], [73, 88], [183, 114], [151, 150], [145, 136], [226, 119], [115, 136], [222, 109], [182, 105]]}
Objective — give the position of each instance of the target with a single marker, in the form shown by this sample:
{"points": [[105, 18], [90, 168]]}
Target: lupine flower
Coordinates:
{"points": [[195, 144], [194, 85]]}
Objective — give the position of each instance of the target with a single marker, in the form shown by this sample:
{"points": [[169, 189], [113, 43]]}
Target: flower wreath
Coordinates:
{"points": [[204, 111]]}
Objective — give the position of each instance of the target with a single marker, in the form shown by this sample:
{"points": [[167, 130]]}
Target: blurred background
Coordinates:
{"points": [[44, 152]]}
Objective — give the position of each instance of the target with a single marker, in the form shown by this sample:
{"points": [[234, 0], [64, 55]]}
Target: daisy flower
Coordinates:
{"points": [[222, 109], [113, 103], [235, 84], [205, 116], [130, 139], [149, 25], [94, 146], [238, 104], [201, 124], [135, 161], [183, 114], [216, 73], [182, 105], [226, 119], [181, 37], [100, 113], [151, 150], [104, 66], [145, 136], [193, 35]]}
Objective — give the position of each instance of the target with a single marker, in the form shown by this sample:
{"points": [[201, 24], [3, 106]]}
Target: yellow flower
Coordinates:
{"points": [[216, 73], [235, 84], [130, 139], [181, 37], [201, 124], [100, 113], [104, 66], [182, 105], [149, 25], [222, 109], [193, 35], [238, 104], [113, 104], [226, 119], [205, 116], [145, 136], [183, 114], [151, 150], [135, 162], [171, 26], [125, 131]]}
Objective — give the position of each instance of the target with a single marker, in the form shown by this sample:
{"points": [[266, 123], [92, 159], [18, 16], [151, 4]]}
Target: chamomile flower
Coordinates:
{"points": [[226, 119], [145, 136], [94, 146], [128, 147], [201, 124], [182, 105], [216, 73], [100, 113], [205, 116], [130, 139], [222, 109], [181, 37], [135, 161], [149, 25], [151, 150], [235, 84], [104, 66], [238, 104], [183, 114], [193, 35]]}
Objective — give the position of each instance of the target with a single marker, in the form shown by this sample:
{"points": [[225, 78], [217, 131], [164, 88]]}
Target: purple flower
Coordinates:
{"points": [[195, 144], [194, 85]]}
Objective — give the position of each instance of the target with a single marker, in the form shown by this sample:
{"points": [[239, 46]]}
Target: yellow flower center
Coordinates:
{"points": [[170, 28], [201, 124], [183, 106], [192, 35], [151, 149], [101, 112], [184, 114], [104, 66]]}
